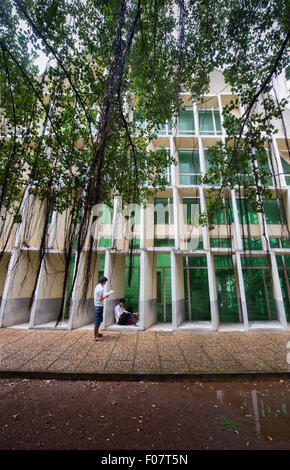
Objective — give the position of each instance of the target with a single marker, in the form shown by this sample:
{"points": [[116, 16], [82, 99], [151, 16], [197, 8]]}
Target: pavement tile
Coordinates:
{"points": [[116, 366], [92, 366], [174, 366], [144, 352]]}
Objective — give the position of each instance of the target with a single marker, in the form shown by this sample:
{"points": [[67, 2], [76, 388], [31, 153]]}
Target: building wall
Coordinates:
{"points": [[232, 274]]}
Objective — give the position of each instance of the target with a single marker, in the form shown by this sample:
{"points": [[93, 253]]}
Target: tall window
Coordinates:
{"points": [[189, 167], [186, 121], [209, 121]]}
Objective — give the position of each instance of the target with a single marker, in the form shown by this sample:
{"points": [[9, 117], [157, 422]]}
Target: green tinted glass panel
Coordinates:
{"points": [[250, 261], [252, 243], [189, 161], [132, 291], [286, 169], [163, 260], [135, 261], [164, 300], [274, 242], [163, 216], [163, 242], [189, 180], [226, 289], [196, 261], [197, 303], [273, 214], [105, 242], [102, 259], [259, 295], [205, 121], [246, 213], [285, 242], [191, 208], [207, 158], [220, 242], [186, 122], [217, 117]]}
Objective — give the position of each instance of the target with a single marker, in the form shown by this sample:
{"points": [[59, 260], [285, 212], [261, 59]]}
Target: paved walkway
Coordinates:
{"points": [[144, 352]]}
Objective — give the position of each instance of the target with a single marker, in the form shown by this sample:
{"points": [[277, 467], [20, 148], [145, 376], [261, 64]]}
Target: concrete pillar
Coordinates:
{"points": [[19, 284], [49, 289], [277, 293], [82, 311], [148, 290], [242, 299], [177, 286]]}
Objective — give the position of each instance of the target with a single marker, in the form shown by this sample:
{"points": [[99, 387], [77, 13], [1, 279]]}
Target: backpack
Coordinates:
{"points": [[124, 319]]}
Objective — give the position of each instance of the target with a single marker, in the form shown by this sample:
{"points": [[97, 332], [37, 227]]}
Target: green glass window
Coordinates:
{"points": [[266, 167], [197, 303], [273, 214], [105, 242], [221, 215], [132, 290], [220, 242], [186, 121], [167, 214], [163, 242], [246, 213], [189, 167], [258, 289], [164, 299], [286, 169], [226, 289], [283, 263], [207, 158], [209, 121], [252, 243], [191, 208]]}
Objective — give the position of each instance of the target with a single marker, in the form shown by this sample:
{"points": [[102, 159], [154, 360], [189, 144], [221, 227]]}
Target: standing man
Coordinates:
{"points": [[99, 298]]}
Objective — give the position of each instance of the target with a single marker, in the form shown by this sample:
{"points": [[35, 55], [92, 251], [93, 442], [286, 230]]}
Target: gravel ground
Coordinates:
{"points": [[147, 415]]}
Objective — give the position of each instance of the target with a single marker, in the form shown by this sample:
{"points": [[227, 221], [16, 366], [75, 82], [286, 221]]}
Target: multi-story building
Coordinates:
{"points": [[231, 279]]}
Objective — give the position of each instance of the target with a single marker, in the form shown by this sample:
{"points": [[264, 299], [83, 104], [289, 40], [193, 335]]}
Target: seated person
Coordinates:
{"points": [[124, 317]]}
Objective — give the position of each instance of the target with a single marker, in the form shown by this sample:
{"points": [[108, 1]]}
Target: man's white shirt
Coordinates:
{"points": [[118, 310], [99, 289]]}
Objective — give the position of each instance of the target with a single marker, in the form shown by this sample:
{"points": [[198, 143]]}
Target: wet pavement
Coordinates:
{"points": [[148, 352], [142, 414]]}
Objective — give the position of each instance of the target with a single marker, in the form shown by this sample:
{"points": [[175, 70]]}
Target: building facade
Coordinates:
{"points": [[230, 280]]}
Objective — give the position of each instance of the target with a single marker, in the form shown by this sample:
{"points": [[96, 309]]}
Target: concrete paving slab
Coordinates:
{"points": [[144, 352]]}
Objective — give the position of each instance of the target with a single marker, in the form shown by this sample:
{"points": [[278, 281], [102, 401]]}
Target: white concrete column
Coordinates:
{"points": [[277, 293], [177, 290], [242, 299], [174, 168], [205, 232], [221, 117], [236, 221]]}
